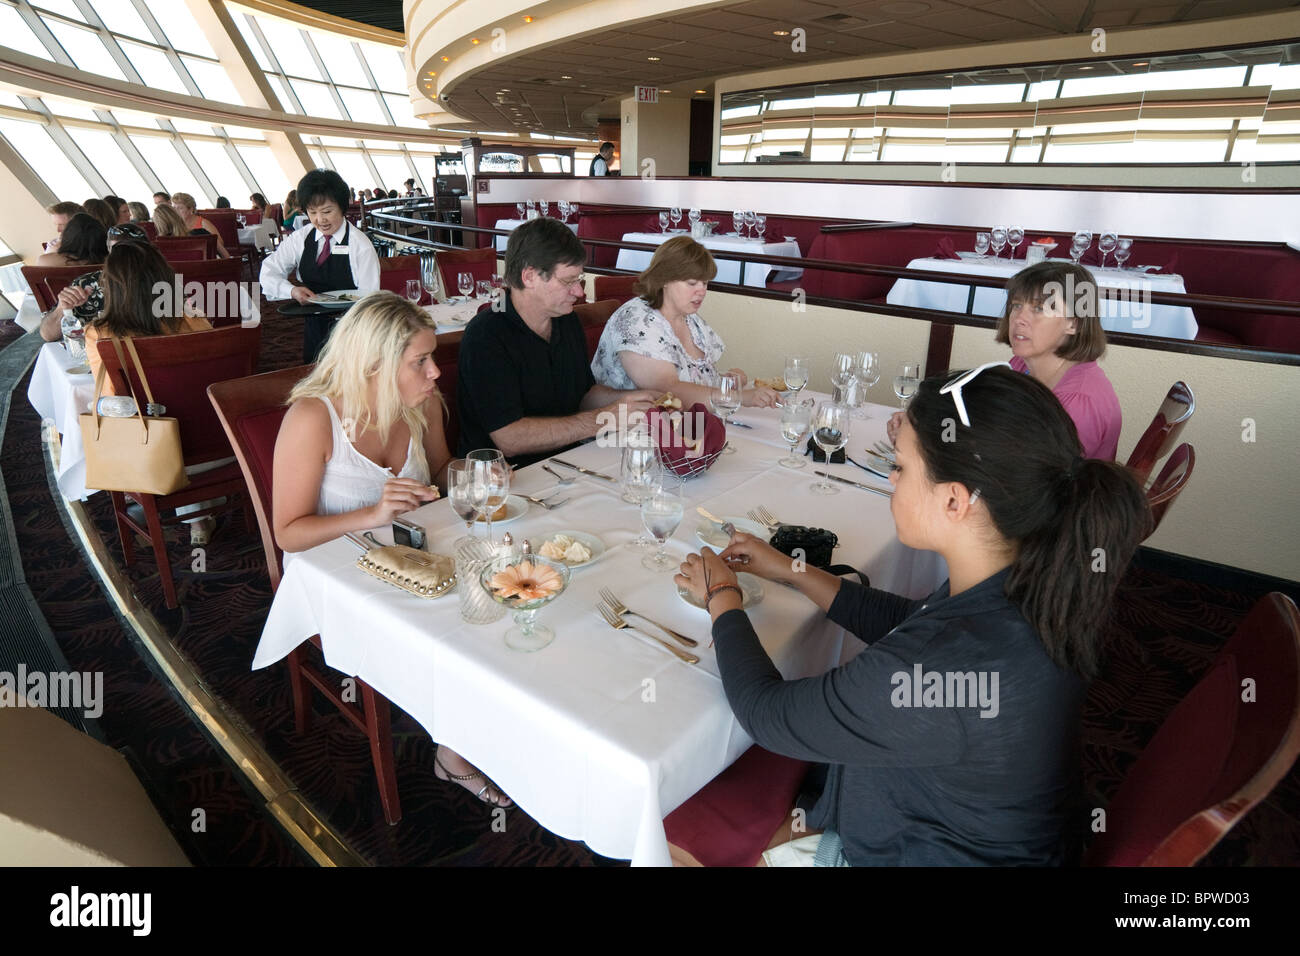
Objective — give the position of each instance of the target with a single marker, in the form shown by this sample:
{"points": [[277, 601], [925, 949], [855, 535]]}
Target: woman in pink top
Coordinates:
{"points": [[1052, 326]]}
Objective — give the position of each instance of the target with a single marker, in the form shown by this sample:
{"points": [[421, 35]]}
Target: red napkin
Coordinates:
{"points": [[673, 429], [945, 250]]}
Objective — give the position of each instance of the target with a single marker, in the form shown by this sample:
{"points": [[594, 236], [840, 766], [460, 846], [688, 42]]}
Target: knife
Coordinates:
{"points": [[739, 425], [855, 484], [583, 471]]}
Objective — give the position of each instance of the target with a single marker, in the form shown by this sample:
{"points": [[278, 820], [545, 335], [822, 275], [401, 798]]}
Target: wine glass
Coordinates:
{"points": [[466, 495], [760, 226], [493, 473], [530, 207], [413, 291], [693, 217], [74, 337], [737, 220], [242, 220], [796, 373], [796, 421], [661, 513], [998, 239], [530, 570], [1015, 236], [522, 210], [749, 222], [842, 374], [982, 244], [544, 208], [1106, 244], [906, 382], [573, 208], [483, 289], [465, 283], [563, 206], [830, 430], [675, 214], [1079, 244], [639, 473], [867, 373], [1123, 249], [725, 399], [663, 222], [430, 278]]}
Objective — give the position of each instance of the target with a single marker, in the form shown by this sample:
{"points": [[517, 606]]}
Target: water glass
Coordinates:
{"points": [[981, 244], [521, 209], [737, 220], [830, 430], [467, 496], [760, 224], [675, 214], [1106, 244], [465, 283], [74, 337], [998, 239], [796, 373], [1123, 249], [906, 382], [477, 606], [661, 513], [693, 216], [1015, 236], [483, 288], [492, 473], [796, 421], [413, 291], [663, 222]]}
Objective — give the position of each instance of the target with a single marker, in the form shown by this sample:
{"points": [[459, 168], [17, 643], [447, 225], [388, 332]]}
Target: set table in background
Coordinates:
{"points": [[734, 270], [1125, 314], [259, 235], [603, 733], [513, 224]]}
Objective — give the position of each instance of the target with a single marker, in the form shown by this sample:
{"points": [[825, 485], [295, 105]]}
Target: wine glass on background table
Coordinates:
{"points": [[663, 223], [1015, 236], [737, 220], [522, 209], [675, 214], [1106, 244], [483, 289], [906, 382], [413, 290], [661, 513], [693, 216], [750, 219], [796, 373], [760, 227], [492, 473], [998, 240], [830, 430], [1079, 244], [867, 373], [530, 207], [465, 283], [563, 206], [982, 244], [796, 422], [430, 279], [467, 496], [1123, 249], [842, 374]]}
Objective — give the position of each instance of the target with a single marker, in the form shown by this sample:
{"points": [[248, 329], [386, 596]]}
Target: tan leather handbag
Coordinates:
{"points": [[132, 454], [416, 572]]}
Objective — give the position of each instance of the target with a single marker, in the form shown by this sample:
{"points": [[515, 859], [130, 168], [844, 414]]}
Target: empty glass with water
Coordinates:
{"points": [[663, 222], [998, 239], [1106, 244], [1123, 249], [661, 513], [981, 244], [796, 373], [906, 382], [796, 421], [465, 283], [675, 214]]}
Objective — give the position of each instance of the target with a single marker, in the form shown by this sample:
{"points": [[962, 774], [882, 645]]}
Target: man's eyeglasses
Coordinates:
{"points": [[579, 280], [956, 385]]}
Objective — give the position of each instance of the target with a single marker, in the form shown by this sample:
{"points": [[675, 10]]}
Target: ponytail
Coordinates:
{"points": [[1075, 522]]}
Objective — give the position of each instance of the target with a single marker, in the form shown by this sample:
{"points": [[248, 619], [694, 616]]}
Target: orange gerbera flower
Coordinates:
{"points": [[526, 581]]}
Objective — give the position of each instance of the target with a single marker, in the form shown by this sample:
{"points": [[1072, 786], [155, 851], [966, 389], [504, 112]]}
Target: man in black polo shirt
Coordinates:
{"points": [[525, 384]]}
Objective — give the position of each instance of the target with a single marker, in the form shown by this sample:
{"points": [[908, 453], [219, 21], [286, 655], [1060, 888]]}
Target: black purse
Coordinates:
{"points": [[838, 458], [817, 544]]}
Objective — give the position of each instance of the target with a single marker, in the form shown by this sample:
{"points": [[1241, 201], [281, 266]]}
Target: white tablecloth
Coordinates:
{"points": [[601, 734], [59, 398], [513, 224], [729, 270], [1126, 314], [29, 313], [258, 235], [453, 316]]}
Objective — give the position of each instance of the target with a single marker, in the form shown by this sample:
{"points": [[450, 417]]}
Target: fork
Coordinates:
{"points": [[767, 518], [561, 479], [547, 503], [616, 622], [885, 450], [619, 608]]}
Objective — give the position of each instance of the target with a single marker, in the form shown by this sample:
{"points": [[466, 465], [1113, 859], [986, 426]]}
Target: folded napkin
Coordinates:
{"points": [[945, 250]]}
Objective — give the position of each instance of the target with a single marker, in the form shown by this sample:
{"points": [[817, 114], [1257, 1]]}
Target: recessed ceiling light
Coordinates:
{"points": [[446, 59], [1085, 68], [653, 59], [566, 77], [780, 33], [665, 91], [474, 40], [528, 19], [1143, 63]]}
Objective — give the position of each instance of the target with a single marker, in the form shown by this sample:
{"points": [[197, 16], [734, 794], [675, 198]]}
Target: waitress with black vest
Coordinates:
{"points": [[328, 254]]}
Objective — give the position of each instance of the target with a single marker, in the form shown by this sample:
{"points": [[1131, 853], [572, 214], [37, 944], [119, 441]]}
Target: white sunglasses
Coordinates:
{"points": [[956, 385]]}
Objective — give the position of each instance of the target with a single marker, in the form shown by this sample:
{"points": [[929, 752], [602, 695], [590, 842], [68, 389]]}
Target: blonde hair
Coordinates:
{"points": [[185, 199], [168, 221], [369, 343]]}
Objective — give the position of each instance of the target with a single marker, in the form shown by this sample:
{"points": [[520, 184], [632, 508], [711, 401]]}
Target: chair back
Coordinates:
{"points": [[252, 217], [187, 248], [1169, 484], [227, 227], [149, 228], [275, 212], [221, 300], [481, 263], [251, 410], [394, 271], [615, 287], [1218, 753], [594, 315], [180, 368], [1163, 432], [47, 281]]}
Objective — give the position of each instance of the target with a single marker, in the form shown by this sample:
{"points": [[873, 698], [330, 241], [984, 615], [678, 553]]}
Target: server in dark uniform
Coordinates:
{"points": [[600, 162], [328, 254]]}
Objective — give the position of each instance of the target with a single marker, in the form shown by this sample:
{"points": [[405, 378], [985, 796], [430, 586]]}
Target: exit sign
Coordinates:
{"points": [[647, 94]]}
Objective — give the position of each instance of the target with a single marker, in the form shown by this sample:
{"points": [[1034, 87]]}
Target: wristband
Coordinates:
{"points": [[718, 588]]}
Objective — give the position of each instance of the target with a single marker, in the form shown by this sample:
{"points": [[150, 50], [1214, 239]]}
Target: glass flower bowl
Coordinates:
{"points": [[526, 583]]}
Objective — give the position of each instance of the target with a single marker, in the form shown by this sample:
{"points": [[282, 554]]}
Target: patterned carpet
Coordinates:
{"points": [[1167, 632]]}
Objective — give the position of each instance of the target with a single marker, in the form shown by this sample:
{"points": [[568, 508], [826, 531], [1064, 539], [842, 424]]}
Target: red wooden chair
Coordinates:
{"points": [[179, 369], [1216, 755], [220, 302], [594, 315], [481, 263], [1169, 484], [615, 287], [149, 228], [46, 281], [275, 212], [187, 248], [251, 410], [1163, 432], [395, 270]]}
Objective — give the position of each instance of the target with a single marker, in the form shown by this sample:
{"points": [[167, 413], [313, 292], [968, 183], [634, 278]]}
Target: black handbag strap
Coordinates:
{"points": [[839, 570]]}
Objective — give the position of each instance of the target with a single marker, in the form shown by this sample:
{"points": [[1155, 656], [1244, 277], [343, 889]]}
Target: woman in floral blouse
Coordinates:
{"points": [[658, 341]]}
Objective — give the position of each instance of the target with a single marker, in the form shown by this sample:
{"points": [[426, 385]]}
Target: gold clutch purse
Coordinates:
{"points": [[416, 572]]}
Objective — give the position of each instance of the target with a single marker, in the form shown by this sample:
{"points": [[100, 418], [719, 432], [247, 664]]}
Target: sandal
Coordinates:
{"points": [[490, 792]]}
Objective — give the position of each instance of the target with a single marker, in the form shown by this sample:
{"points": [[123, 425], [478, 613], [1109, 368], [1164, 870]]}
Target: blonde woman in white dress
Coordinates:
{"points": [[363, 442]]}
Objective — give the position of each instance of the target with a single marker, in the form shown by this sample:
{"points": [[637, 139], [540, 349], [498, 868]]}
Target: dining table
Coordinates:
{"points": [[1126, 310], [259, 235], [60, 392], [732, 265], [513, 224], [602, 733]]}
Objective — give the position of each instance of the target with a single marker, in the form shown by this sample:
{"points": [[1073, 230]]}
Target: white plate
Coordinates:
{"points": [[82, 369], [709, 533], [751, 589], [970, 255], [588, 541], [516, 507], [338, 293]]}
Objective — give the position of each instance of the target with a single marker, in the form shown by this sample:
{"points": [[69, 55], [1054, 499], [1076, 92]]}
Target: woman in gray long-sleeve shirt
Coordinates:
{"points": [[951, 740]]}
